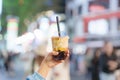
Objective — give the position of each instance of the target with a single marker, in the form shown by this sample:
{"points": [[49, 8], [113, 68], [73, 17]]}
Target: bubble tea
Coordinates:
{"points": [[60, 45]]}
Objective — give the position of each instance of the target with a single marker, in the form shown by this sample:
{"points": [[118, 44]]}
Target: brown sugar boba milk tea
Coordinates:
{"points": [[60, 45]]}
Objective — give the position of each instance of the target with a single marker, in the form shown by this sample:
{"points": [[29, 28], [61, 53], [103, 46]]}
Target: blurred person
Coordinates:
{"points": [[1, 60], [88, 59], [81, 64], [73, 62], [71, 58], [9, 62], [108, 62], [117, 72], [95, 64], [47, 64], [77, 62]]}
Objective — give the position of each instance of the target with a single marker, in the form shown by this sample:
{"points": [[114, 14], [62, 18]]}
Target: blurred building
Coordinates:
{"points": [[93, 21]]}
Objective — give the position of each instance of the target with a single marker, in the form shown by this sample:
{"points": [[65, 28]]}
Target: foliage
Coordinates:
{"points": [[27, 9]]}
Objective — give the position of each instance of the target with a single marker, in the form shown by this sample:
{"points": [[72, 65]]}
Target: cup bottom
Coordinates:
{"points": [[61, 56]]}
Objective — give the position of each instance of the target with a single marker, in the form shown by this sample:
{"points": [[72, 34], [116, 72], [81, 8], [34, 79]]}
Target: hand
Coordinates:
{"points": [[48, 63], [51, 62], [112, 65]]}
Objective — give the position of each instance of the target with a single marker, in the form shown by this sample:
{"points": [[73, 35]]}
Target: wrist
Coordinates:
{"points": [[44, 69]]}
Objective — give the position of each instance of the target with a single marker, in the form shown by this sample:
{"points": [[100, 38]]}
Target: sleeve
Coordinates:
{"points": [[118, 65], [103, 63], [35, 76]]}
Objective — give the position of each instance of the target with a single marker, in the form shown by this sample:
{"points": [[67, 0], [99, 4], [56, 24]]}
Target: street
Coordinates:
{"points": [[18, 73]]}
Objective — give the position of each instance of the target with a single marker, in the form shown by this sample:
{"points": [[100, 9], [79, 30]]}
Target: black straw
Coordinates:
{"points": [[58, 27]]}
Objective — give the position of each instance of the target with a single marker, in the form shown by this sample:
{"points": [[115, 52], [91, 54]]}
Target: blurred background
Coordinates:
{"points": [[26, 28]]}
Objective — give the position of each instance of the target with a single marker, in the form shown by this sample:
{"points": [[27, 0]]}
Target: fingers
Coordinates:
{"points": [[54, 53], [67, 56], [60, 61], [68, 52]]}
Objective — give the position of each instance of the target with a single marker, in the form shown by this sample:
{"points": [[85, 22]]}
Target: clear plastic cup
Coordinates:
{"points": [[60, 44]]}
